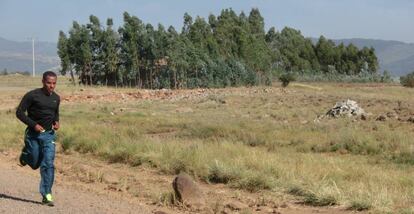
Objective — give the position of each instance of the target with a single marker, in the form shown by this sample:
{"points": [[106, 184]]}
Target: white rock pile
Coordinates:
{"points": [[347, 108]]}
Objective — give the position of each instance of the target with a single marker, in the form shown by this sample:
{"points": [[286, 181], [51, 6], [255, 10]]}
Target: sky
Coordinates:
{"points": [[334, 19]]}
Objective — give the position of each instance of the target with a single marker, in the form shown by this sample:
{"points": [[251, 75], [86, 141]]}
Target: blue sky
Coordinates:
{"points": [[336, 19]]}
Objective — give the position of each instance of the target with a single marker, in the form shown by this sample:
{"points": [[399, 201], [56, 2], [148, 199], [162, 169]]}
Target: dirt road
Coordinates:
{"points": [[19, 194]]}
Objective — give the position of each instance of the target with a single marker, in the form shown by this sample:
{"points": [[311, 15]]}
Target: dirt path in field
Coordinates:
{"points": [[18, 194], [87, 185]]}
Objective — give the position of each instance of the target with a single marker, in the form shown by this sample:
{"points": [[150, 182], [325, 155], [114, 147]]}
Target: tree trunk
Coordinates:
{"points": [[116, 84], [90, 76], [72, 76], [150, 78], [175, 79]]}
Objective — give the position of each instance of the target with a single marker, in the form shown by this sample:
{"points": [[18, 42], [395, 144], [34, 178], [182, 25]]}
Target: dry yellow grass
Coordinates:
{"points": [[258, 139]]}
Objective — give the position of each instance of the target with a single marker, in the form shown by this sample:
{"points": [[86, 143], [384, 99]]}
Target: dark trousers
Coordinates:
{"points": [[39, 151]]}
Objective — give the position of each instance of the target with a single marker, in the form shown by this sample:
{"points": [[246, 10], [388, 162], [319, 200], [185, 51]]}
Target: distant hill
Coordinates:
{"points": [[394, 56], [17, 56]]}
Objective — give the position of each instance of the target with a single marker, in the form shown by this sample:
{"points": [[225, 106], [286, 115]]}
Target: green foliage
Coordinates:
{"points": [[312, 198], [335, 76], [219, 173], [63, 52], [286, 78], [228, 50], [253, 182], [360, 205], [386, 76], [408, 80], [403, 158]]}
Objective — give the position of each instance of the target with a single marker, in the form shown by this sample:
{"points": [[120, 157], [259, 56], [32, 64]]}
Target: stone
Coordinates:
{"points": [[381, 118], [187, 191], [364, 117], [236, 205], [270, 210], [208, 210], [82, 168], [160, 212], [392, 115], [345, 108], [411, 119], [284, 205], [226, 211], [110, 178]]}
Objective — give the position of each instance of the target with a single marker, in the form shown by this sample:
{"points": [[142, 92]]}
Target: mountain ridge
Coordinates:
{"points": [[394, 56]]}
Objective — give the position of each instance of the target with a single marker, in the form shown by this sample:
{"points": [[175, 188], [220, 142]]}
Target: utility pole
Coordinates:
{"points": [[33, 54]]}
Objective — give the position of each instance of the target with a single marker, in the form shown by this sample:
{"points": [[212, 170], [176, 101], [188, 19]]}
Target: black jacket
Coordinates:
{"points": [[42, 109]]}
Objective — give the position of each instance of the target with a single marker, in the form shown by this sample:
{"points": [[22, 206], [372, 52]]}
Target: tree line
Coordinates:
{"points": [[225, 50]]}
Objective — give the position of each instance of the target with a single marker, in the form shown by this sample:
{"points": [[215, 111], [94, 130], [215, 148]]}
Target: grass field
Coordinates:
{"points": [[257, 139]]}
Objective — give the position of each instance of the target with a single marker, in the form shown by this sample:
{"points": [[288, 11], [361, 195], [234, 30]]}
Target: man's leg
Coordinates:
{"points": [[47, 167], [31, 151]]}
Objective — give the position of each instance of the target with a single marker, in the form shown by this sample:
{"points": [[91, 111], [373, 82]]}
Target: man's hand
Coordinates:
{"points": [[56, 125], [39, 128]]}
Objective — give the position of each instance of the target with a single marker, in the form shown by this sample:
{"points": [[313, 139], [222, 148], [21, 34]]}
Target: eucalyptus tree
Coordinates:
{"points": [[368, 57], [225, 31], [295, 50], [177, 57], [131, 34], [258, 53], [227, 50], [325, 50], [160, 53], [80, 54], [352, 60], [64, 55], [110, 50], [97, 34], [149, 55]]}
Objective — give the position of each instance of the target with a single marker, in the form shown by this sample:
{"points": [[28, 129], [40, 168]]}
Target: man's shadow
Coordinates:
{"points": [[18, 199]]}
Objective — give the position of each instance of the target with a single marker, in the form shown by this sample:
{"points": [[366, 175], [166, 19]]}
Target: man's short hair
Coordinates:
{"points": [[49, 73]]}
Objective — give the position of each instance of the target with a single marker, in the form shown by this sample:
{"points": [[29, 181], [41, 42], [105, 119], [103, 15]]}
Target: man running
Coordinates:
{"points": [[42, 119]]}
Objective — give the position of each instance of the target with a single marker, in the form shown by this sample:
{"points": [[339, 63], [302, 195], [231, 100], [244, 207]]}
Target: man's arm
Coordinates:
{"points": [[22, 108]]}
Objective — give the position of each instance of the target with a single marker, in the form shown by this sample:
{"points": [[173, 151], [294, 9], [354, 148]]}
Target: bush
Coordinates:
{"points": [[360, 205], [286, 78], [311, 198], [407, 80], [363, 77], [386, 76]]}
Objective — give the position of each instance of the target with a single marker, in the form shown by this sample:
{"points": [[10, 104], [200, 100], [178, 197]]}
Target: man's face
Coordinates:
{"points": [[49, 83]]}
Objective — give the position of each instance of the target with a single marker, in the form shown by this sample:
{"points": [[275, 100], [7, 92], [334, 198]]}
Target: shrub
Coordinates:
{"points": [[407, 80], [253, 183], [218, 173], [286, 78], [360, 205], [311, 198]]}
